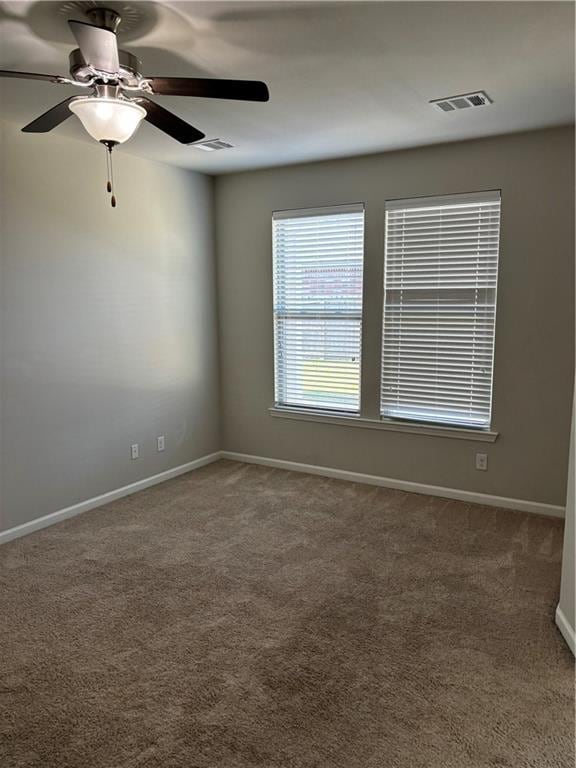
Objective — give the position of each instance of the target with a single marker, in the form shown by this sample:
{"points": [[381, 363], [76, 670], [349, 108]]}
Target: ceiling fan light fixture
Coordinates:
{"points": [[108, 120]]}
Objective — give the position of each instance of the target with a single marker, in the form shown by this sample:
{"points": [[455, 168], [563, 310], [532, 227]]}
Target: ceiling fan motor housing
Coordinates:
{"points": [[128, 72]]}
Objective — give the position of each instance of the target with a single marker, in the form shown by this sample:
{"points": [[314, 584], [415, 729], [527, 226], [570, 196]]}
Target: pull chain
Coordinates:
{"points": [[113, 198], [110, 173], [108, 182]]}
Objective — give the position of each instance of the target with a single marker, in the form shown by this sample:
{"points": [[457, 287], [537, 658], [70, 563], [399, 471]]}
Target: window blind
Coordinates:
{"points": [[318, 260], [441, 264]]}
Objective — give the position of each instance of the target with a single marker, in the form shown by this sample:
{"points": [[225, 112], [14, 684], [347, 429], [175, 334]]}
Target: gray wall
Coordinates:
{"points": [[534, 347], [108, 318], [109, 331]]}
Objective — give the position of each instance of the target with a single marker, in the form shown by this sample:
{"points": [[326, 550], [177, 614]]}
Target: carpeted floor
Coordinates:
{"points": [[242, 616]]}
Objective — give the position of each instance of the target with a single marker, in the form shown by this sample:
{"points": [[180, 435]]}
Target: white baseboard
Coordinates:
{"points": [[105, 498], [566, 630], [311, 469], [402, 485]]}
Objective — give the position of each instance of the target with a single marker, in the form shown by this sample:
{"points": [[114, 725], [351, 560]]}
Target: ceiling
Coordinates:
{"points": [[345, 78]]}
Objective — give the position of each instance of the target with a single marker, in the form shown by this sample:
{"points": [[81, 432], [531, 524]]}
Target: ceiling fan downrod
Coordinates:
{"points": [[105, 18]]}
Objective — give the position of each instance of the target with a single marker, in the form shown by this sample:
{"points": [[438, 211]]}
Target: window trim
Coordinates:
{"points": [[390, 425]]}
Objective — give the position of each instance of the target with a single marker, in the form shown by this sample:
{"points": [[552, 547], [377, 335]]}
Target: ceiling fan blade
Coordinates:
{"points": [[98, 46], [50, 119], [30, 76], [210, 88], [170, 123]]}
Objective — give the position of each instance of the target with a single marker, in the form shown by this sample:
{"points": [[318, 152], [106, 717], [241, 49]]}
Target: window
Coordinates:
{"points": [[318, 259], [441, 266]]}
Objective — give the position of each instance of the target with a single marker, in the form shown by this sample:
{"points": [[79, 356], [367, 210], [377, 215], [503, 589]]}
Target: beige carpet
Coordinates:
{"points": [[242, 616]]}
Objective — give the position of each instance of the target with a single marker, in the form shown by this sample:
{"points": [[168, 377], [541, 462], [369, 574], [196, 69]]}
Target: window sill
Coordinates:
{"points": [[460, 433]]}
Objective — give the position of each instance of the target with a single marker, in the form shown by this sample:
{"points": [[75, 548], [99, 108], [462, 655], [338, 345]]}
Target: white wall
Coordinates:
{"points": [[108, 324], [566, 613]]}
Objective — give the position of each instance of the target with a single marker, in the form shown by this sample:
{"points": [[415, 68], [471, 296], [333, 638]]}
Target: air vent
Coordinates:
{"points": [[212, 145], [464, 101]]}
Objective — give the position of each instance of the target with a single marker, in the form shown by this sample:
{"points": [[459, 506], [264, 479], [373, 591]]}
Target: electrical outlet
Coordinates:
{"points": [[161, 443], [135, 451], [482, 461]]}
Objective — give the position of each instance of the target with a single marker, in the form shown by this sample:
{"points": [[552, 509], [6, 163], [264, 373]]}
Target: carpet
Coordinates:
{"points": [[242, 616]]}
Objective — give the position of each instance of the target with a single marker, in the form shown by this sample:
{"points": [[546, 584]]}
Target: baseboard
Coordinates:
{"points": [[566, 630], [402, 485], [311, 469], [105, 498]]}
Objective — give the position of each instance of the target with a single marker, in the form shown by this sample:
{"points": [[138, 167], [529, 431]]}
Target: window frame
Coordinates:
{"points": [[483, 196], [360, 420], [297, 213]]}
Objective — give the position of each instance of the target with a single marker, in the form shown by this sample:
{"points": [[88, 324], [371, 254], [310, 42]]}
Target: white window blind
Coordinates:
{"points": [[441, 266], [318, 259]]}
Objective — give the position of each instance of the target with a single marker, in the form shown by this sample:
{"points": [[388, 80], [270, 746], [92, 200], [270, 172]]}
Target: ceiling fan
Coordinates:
{"points": [[116, 106]]}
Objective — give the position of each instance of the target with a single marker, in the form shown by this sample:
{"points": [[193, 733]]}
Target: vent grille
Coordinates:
{"points": [[464, 101], [213, 145]]}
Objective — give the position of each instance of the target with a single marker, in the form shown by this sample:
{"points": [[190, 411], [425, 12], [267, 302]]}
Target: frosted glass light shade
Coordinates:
{"points": [[108, 119]]}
